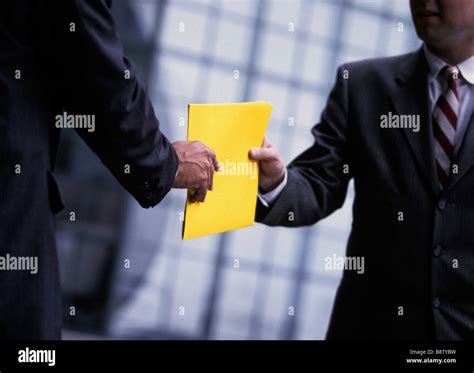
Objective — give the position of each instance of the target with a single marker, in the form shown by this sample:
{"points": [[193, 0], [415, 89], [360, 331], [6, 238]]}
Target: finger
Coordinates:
{"points": [[267, 143], [199, 196], [208, 184], [191, 192], [259, 154], [215, 162], [211, 184], [192, 195]]}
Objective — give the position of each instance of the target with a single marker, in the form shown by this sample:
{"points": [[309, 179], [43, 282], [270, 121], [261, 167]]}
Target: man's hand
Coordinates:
{"points": [[272, 168], [197, 164]]}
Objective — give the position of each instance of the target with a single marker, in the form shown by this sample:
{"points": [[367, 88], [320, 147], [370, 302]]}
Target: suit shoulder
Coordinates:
{"points": [[376, 66]]}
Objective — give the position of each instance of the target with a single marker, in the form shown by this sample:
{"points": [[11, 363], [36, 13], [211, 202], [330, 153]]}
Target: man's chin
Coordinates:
{"points": [[431, 37]]}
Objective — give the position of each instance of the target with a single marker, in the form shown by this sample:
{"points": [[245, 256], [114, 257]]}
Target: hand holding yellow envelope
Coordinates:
{"points": [[231, 130]]}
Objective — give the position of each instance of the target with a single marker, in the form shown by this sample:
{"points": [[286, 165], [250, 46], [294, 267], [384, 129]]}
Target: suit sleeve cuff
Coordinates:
{"points": [[268, 198]]}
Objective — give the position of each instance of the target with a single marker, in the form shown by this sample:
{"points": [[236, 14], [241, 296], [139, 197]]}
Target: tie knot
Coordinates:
{"points": [[451, 73]]}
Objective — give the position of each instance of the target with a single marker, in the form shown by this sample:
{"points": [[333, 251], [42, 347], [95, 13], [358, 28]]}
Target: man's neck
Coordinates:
{"points": [[455, 54]]}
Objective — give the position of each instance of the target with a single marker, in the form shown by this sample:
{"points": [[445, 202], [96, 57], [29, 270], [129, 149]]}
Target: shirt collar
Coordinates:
{"points": [[436, 64]]}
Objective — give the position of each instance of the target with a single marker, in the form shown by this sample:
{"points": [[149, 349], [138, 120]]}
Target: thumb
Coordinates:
{"points": [[259, 154]]}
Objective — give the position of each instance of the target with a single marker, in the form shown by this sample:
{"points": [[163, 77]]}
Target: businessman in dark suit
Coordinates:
{"points": [[62, 66], [403, 129]]}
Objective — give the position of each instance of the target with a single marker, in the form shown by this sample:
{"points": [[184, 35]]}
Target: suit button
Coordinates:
{"points": [[436, 303], [442, 204], [437, 250]]}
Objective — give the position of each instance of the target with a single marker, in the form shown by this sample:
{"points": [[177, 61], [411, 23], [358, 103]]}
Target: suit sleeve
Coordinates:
{"points": [[96, 78], [318, 178]]}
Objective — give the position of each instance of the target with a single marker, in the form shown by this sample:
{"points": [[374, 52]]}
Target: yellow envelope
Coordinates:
{"points": [[231, 130]]}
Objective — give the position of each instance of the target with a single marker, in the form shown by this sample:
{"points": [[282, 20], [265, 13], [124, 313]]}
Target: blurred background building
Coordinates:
{"points": [[126, 273]]}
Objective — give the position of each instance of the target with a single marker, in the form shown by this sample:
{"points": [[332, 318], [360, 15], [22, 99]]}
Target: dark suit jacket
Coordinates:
{"points": [[409, 263], [81, 72]]}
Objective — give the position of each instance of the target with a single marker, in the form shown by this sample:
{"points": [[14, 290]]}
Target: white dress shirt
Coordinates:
{"points": [[437, 84]]}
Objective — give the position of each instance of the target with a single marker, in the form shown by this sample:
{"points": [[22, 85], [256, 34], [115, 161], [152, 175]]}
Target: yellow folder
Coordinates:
{"points": [[231, 130]]}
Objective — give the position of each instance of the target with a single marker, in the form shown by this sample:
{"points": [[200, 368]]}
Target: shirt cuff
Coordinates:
{"points": [[268, 198]]}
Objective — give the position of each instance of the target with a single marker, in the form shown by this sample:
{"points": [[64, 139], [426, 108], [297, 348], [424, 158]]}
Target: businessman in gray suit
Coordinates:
{"points": [[402, 128]]}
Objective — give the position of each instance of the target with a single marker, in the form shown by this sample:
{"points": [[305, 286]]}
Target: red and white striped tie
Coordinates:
{"points": [[445, 121]]}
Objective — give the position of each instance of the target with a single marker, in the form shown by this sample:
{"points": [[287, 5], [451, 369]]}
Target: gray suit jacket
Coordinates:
{"points": [[81, 72], [419, 270]]}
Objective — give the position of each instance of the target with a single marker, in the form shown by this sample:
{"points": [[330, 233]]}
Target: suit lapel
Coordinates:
{"points": [[465, 157], [410, 96]]}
